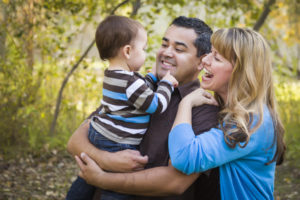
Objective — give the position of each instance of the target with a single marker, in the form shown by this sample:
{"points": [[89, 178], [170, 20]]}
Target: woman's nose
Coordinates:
{"points": [[206, 60]]}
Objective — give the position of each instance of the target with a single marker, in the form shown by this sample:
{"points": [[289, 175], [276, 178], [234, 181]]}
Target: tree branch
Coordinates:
{"points": [[263, 15], [118, 6], [66, 79], [136, 6]]}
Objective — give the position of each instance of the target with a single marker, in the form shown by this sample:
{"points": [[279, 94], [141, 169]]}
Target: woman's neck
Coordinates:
{"points": [[223, 97]]}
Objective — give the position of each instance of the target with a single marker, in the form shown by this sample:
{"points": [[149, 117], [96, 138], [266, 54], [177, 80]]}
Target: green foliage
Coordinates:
{"points": [[288, 97], [59, 32]]}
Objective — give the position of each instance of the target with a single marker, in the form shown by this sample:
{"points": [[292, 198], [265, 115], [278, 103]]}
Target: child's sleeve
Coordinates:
{"points": [[142, 97], [151, 81]]}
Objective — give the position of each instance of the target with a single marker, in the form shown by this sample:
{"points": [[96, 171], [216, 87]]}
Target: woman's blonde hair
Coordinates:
{"points": [[250, 86]]}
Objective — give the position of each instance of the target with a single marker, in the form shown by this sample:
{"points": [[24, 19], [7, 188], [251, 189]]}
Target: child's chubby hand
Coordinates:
{"points": [[170, 78]]}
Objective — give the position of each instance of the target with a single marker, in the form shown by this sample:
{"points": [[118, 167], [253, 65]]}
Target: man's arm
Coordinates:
{"points": [[122, 161], [159, 181]]}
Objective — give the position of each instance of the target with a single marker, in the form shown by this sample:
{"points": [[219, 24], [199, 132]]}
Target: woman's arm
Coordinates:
{"points": [[192, 154], [122, 161], [159, 181]]}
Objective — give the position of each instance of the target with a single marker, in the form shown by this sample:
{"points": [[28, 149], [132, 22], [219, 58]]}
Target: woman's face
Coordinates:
{"points": [[218, 71]]}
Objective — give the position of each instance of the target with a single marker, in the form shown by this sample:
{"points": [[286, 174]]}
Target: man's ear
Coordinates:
{"points": [[126, 51]]}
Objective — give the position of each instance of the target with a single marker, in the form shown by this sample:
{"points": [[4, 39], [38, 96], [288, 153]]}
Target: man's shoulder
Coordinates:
{"points": [[204, 118], [205, 109]]}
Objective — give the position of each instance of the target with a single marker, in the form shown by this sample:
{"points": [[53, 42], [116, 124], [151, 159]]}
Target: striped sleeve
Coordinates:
{"points": [[145, 99], [151, 81]]}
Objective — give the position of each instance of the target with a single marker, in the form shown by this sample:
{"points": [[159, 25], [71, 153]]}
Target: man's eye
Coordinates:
{"points": [[179, 50], [164, 45]]}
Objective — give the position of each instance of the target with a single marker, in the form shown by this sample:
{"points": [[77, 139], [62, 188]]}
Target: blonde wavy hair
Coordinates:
{"points": [[250, 87]]}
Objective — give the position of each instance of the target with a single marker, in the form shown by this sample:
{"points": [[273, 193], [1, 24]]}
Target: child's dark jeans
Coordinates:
{"points": [[80, 190]]}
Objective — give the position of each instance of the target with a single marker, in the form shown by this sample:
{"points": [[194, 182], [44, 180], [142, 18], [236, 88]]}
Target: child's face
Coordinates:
{"points": [[138, 54]]}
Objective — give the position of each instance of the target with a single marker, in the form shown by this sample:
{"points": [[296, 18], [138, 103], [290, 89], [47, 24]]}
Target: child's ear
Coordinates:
{"points": [[126, 50]]}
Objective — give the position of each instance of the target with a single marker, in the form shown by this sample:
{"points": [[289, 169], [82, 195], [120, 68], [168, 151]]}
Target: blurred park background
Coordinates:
{"points": [[50, 71]]}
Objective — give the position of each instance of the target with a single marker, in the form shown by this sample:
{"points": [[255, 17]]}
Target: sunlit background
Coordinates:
{"points": [[42, 41]]}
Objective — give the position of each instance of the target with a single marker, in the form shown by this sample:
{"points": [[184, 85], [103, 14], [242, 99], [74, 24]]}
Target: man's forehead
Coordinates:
{"points": [[179, 35]]}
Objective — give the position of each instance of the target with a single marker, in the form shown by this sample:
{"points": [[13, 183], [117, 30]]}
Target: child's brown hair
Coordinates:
{"points": [[113, 33]]}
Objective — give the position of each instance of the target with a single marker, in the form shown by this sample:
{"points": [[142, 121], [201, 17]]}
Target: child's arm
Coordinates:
{"points": [[144, 99], [151, 81]]}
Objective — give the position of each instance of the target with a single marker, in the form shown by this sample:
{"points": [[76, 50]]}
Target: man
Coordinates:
{"points": [[184, 44]]}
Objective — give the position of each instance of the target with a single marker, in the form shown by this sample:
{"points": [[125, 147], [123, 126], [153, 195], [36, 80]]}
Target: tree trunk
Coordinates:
{"points": [[3, 32], [29, 44], [264, 15], [66, 79]]}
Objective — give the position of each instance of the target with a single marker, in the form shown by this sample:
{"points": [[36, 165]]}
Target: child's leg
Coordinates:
{"points": [[103, 143], [80, 190]]}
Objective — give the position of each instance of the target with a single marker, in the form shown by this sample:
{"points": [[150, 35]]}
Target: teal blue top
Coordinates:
{"points": [[243, 171]]}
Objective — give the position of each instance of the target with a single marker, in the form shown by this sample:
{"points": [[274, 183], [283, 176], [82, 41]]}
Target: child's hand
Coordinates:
{"points": [[172, 79]]}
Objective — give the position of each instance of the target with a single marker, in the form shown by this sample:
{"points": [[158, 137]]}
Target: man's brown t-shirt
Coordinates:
{"points": [[155, 143]]}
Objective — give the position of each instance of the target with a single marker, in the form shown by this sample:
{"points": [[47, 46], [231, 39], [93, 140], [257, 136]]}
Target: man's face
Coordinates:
{"points": [[178, 54]]}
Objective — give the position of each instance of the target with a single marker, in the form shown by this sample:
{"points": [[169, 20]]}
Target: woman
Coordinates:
{"points": [[249, 141]]}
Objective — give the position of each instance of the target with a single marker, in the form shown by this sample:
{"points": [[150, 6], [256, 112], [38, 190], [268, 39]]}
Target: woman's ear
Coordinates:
{"points": [[126, 51]]}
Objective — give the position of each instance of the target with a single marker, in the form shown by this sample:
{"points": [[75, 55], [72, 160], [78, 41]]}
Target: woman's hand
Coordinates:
{"points": [[199, 97], [195, 98]]}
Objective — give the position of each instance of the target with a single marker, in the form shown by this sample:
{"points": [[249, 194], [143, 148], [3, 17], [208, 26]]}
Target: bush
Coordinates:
{"points": [[288, 97]]}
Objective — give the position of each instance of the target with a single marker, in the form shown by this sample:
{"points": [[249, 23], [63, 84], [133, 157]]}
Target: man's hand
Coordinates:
{"points": [[125, 161], [89, 170]]}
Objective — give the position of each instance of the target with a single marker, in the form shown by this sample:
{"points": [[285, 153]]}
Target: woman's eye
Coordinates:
{"points": [[217, 59]]}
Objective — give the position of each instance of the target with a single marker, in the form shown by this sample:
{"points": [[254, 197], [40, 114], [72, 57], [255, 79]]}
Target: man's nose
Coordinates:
{"points": [[168, 52]]}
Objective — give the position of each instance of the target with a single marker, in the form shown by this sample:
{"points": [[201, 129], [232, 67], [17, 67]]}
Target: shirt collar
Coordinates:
{"points": [[188, 87]]}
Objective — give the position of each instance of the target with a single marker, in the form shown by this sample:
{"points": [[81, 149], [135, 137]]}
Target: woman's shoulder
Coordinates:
{"points": [[265, 132]]}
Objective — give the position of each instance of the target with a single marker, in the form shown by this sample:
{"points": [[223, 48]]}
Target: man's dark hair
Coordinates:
{"points": [[203, 31], [113, 33]]}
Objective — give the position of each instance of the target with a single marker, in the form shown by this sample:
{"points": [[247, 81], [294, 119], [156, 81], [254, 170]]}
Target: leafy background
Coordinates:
{"points": [[50, 77]]}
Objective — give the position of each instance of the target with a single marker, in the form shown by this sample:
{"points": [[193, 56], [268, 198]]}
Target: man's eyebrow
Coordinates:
{"points": [[181, 44], [176, 42]]}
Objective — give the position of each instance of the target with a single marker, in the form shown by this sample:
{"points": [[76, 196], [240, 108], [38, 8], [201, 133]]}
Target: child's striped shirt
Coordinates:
{"points": [[128, 100]]}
